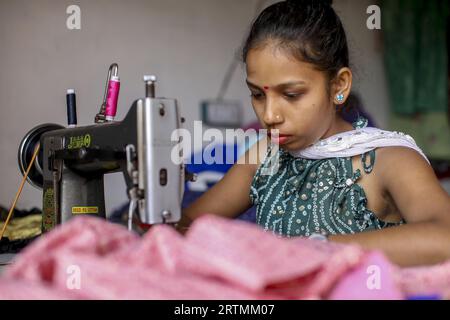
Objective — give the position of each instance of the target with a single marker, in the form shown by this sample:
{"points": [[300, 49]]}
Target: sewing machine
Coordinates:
{"points": [[72, 162]]}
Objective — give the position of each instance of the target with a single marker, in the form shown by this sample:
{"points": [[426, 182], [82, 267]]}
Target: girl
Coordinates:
{"points": [[334, 180]]}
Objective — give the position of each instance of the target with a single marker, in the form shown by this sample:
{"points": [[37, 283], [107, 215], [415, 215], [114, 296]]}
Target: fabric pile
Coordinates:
{"points": [[21, 230], [89, 258], [23, 227]]}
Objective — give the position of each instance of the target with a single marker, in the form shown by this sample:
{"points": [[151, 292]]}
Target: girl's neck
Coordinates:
{"points": [[339, 125]]}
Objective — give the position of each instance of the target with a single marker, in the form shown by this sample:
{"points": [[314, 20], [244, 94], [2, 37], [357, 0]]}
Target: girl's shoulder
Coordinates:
{"points": [[410, 181], [395, 160], [399, 163]]}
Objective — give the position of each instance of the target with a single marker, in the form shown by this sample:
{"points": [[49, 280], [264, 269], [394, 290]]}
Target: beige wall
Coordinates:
{"points": [[188, 44]]}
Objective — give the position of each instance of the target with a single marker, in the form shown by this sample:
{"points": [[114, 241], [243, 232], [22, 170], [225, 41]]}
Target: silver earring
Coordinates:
{"points": [[340, 97]]}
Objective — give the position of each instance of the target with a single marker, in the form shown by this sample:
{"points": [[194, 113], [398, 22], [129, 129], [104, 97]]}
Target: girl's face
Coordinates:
{"points": [[291, 96]]}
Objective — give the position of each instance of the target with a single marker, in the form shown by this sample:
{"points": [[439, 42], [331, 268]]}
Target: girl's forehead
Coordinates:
{"points": [[267, 67]]}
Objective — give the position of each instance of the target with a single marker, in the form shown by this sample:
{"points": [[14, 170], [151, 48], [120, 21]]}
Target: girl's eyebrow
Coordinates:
{"points": [[252, 85], [281, 85]]}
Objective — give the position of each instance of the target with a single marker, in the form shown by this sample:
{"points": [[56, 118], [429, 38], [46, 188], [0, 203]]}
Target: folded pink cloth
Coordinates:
{"points": [[242, 254], [374, 279], [89, 258]]}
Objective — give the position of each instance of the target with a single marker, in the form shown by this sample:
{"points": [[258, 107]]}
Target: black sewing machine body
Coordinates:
{"points": [[73, 162]]}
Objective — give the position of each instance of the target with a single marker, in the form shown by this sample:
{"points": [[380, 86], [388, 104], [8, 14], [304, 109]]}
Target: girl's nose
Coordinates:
{"points": [[272, 115]]}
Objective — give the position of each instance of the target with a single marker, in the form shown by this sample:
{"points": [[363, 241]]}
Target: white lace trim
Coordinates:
{"points": [[356, 142]]}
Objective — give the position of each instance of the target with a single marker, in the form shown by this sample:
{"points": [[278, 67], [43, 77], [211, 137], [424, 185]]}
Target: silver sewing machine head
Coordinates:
{"points": [[160, 175]]}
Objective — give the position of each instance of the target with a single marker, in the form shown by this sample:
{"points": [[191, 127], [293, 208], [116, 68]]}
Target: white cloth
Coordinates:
{"points": [[356, 142]]}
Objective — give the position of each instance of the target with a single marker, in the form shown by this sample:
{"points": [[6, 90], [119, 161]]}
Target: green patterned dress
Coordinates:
{"points": [[306, 197]]}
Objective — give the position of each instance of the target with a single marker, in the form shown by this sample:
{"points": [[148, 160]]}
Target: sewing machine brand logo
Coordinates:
{"points": [[79, 142]]}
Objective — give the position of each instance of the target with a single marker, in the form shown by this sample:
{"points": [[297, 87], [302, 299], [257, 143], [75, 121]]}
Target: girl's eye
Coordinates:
{"points": [[256, 96], [292, 95]]}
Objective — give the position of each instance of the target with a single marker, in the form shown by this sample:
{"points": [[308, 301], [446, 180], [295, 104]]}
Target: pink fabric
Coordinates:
{"points": [[218, 259], [426, 281], [374, 279], [13, 289]]}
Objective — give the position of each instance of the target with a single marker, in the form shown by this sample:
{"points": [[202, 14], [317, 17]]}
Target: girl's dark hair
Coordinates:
{"points": [[310, 30]]}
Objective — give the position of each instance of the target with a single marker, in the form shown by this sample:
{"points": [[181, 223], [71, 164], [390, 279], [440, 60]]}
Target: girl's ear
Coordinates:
{"points": [[342, 86]]}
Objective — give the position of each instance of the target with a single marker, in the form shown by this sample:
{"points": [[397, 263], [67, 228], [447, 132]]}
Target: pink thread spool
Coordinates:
{"points": [[112, 98]]}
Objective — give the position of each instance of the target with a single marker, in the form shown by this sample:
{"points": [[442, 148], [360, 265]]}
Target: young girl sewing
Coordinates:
{"points": [[334, 179]]}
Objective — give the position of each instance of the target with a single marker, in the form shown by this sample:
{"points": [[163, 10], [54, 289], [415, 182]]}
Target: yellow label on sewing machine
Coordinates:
{"points": [[84, 210], [79, 142]]}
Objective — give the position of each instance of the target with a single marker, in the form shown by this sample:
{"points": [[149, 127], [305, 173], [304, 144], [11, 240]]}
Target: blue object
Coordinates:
{"points": [[198, 165], [220, 167], [425, 297]]}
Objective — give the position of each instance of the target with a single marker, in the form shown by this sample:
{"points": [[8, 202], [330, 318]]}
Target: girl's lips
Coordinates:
{"points": [[280, 139]]}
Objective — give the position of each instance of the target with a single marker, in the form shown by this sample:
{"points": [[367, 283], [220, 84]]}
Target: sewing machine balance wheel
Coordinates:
{"points": [[26, 149]]}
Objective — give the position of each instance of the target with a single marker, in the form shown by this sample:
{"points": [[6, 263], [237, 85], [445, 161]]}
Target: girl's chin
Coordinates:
{"points": [[294, 145], [291, 146]]}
